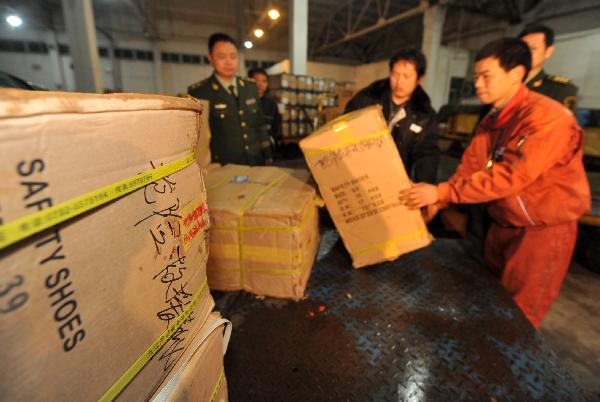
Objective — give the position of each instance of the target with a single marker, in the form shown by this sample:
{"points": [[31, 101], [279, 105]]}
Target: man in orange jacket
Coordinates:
{"points": [[525, 162]]}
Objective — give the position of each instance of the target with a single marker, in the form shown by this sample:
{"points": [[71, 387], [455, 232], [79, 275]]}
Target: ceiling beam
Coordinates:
{"points": [[144, 19], [381, 23]]}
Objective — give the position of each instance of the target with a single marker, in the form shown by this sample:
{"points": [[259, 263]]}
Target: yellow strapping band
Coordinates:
{"points": [[26, 226], [218, 386], [285, 229], [251, 201], [345, 143], [389, 247], [139, 364]]}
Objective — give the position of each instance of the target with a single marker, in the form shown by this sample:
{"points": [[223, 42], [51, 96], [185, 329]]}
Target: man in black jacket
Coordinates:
{"points": [[408, 111], [271, 115]]}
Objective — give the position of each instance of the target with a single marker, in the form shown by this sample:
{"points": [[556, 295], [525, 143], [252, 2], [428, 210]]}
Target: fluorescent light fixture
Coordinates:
{"points": [[273, 14], [248, 44], [259, 32], [14, 21]]}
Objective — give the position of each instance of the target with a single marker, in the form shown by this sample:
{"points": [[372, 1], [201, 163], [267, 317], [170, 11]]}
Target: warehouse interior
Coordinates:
{"points": [[431, 324]]}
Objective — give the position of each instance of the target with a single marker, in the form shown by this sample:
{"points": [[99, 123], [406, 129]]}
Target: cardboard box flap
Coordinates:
{"points": [[345, 131], [21, 103]]}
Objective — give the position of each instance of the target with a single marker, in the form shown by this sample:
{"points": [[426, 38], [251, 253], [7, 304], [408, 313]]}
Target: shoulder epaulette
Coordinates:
{"points": [[559, 79], [197, 84]]}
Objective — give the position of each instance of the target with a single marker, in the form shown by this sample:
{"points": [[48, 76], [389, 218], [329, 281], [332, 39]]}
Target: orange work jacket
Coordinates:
{"points": [[526, 163]]}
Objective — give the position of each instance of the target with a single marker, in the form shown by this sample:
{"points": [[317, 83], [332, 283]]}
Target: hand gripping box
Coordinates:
{"points": [[83, 300], [358, 169], [264, 230]]}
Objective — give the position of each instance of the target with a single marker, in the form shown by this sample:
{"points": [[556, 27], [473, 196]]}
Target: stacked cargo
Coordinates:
{"points": [[358, 169], [299, 97], [103, 244], [264, 230]]}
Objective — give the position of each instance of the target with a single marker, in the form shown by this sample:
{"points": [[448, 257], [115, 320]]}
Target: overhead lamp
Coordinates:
{"points": [[14, 21], [273, 13], [248, 44], [259, 32]]}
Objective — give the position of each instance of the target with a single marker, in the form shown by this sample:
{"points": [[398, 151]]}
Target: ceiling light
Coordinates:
{"points": [[273, 14], [259, 33], [248, 44], [14, 21]]}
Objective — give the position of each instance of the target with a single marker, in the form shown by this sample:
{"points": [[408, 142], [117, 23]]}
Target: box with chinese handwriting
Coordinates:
{"points": [[199, 376], [264, 230], [83, 300], [358, 169]]}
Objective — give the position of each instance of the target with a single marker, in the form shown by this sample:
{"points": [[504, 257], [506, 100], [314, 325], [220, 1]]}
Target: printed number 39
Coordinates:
{"points": [[15, 301]]}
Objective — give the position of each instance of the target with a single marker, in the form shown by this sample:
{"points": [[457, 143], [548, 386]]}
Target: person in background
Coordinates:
{"points": [[540, 40], [525, 163], [236, 123], [407, 109], [270, 111]]}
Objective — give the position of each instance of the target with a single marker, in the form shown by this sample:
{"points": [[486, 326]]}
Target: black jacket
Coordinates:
{"points": [[416, 135], [272, 119]]}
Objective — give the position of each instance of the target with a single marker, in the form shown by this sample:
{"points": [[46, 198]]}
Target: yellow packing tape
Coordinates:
{"points": [[139, 364], [218, 386], [347, 142], [270, 255], [251, 201], [26, 226], [285, 229], [390, 248]]}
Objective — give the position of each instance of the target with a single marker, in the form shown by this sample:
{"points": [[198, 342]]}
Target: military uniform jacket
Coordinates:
{"points": [[558, 88], [238, 133]]}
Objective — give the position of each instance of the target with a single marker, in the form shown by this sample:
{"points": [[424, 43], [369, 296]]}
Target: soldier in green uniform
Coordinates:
{"points": [[238, 132], [540, 40]]}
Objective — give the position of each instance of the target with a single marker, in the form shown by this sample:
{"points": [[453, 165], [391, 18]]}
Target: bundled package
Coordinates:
{"points": [[103, 243], [199, 375], [359, 172], [264, 230]]}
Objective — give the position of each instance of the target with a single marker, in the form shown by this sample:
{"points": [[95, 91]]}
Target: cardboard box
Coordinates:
{"points": [[83, 300], [264, 230], [199, 375], [360, 174]]}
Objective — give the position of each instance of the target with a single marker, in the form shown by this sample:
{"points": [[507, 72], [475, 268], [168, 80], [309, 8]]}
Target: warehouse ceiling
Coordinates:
{"points": [[350, 31]]}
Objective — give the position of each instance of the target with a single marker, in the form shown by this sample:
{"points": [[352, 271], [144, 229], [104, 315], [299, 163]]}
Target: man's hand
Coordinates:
{"points": [[419, 195]]}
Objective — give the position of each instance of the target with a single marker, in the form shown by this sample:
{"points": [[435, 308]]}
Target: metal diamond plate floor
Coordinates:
{"points": [[433, 325]]}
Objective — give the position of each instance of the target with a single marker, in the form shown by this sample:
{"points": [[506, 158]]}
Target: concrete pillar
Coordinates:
{"points": [[433, 23], [59, 72], [298, 27], [158, 75], [79, 20]]}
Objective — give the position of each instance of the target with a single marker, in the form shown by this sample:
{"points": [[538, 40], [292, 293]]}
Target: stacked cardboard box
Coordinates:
{"points": [[264, 230], [81, 301], [360, 174], [299, 97]]}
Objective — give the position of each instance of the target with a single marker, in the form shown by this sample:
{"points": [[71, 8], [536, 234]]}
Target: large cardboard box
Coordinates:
{"points": [[199, 375], [360, 174], [81, 301], [264, 230]]}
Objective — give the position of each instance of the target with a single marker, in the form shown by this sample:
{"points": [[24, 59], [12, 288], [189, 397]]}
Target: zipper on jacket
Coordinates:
{"points": [[522, 204]]}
